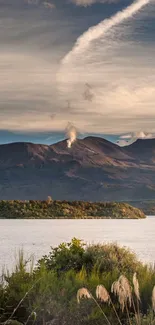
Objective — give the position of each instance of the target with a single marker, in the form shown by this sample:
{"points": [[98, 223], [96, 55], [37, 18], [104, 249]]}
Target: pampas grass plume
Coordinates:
{"points": [[102, 293], [83, 293], [136, 286], [153, 299]]}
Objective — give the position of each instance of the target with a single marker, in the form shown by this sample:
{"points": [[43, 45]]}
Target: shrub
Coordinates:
{"points": [[46, 294]]}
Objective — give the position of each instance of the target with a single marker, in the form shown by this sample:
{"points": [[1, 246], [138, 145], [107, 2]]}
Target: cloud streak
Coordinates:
{"points": [[98, 31], [120, 69], [110, 83], [86, 3]]}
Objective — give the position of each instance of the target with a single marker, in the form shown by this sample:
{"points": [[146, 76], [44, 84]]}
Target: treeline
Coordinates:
{"points": [[47, 294], [51, 209]]}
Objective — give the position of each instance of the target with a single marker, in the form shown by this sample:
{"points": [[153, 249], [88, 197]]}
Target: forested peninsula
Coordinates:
{"points": [[51, 209]]}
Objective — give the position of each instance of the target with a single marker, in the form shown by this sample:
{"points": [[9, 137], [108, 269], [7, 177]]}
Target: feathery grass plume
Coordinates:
{"points": [[102, 294], [83, 293], [122, 289], [153, 299], [136, 286], [122, 298], [115, 287], [128, 290], [119, 291]]}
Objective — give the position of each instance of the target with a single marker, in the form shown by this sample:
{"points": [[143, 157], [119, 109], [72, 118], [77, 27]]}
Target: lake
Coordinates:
{"points": [[36, 236]]}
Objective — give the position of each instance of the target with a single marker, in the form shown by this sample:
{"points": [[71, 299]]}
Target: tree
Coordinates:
{"points": [[49, 200]]}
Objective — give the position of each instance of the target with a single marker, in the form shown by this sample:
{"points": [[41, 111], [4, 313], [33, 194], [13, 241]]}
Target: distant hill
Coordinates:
{"points": [[143, 150], [93, 169]]}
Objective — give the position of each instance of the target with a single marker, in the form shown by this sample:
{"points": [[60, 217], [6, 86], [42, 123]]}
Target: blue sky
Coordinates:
{"points": [[105, 85]]}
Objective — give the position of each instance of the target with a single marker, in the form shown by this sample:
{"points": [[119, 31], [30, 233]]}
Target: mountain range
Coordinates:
{"points": [[93, 169]]}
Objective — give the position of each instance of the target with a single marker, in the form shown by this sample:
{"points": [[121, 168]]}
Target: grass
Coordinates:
{"points": [[46, 294], [128, 299]]}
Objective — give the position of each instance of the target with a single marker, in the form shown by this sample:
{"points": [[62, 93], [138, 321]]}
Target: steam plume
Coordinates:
{"points": [[71, 133], [104, 26]]}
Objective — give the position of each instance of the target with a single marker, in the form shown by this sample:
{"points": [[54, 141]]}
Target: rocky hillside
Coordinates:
{"points": [[93, 169]]}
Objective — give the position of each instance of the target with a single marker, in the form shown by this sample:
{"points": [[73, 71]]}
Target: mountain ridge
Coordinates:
{"points": [[92, 169]]}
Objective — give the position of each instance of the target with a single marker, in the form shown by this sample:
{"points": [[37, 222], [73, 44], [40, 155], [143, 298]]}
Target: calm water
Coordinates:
{"points": [[36, 236]]}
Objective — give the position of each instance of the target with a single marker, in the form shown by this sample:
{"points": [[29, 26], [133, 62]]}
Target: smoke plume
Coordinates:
{"points": [[104, 26], [71, 133]]}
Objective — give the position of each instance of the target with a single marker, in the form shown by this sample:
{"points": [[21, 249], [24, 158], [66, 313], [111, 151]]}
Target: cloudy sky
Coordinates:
{"points": [[87, 62]]}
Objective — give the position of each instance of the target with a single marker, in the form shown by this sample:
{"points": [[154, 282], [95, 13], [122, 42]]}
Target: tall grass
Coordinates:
{"points": [[46, 293], [126, 295]]}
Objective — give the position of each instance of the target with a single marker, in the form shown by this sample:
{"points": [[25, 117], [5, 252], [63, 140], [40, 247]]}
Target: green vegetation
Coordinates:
{"points": [[50, 209], [47, 294]]}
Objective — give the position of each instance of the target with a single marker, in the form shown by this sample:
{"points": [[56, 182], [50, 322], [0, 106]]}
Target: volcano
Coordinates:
{"points": [[93, 169]]}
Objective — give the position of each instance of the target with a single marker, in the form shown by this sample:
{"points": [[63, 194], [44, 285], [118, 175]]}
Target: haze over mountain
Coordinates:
{"points": [[92, 169]]}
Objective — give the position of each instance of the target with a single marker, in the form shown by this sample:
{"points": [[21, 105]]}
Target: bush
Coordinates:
{"points": [[102, 258], [46, 294]]}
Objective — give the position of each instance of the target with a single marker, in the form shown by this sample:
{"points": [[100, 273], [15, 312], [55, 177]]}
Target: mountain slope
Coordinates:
{"points": [[143, 149], [92, 169]]}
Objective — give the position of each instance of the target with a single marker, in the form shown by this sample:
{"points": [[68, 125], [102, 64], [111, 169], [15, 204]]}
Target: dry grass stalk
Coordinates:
{"points": [[122, 298], [153, 299], [122, 289], [119, 291], [102, 293], [115, 288], [83, 293], [127, 288], [136, 286]]}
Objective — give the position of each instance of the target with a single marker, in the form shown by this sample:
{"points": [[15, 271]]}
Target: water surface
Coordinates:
{"points": [[36, 236]]}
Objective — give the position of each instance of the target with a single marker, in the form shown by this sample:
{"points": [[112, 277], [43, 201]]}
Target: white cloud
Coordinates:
{"points": [[86, 3], [100, 30], [33, 86], [128, 139], [121, 72], [48, 5]]}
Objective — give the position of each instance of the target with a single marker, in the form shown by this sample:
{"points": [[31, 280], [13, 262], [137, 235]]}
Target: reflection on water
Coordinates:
{"points": [[36, 236]]}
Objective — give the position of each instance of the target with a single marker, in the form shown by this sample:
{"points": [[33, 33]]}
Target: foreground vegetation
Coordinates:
{"points": [[50, 209], [52, 292]]}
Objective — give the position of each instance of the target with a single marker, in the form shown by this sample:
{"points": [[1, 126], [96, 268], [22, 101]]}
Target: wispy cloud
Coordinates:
{"points": [[127, 139], [86, 3], [46, 4], [99, 31], [121, 70], [110, 85]]}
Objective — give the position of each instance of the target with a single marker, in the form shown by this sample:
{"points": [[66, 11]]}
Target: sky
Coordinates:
{"points": [[83, 62]]}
